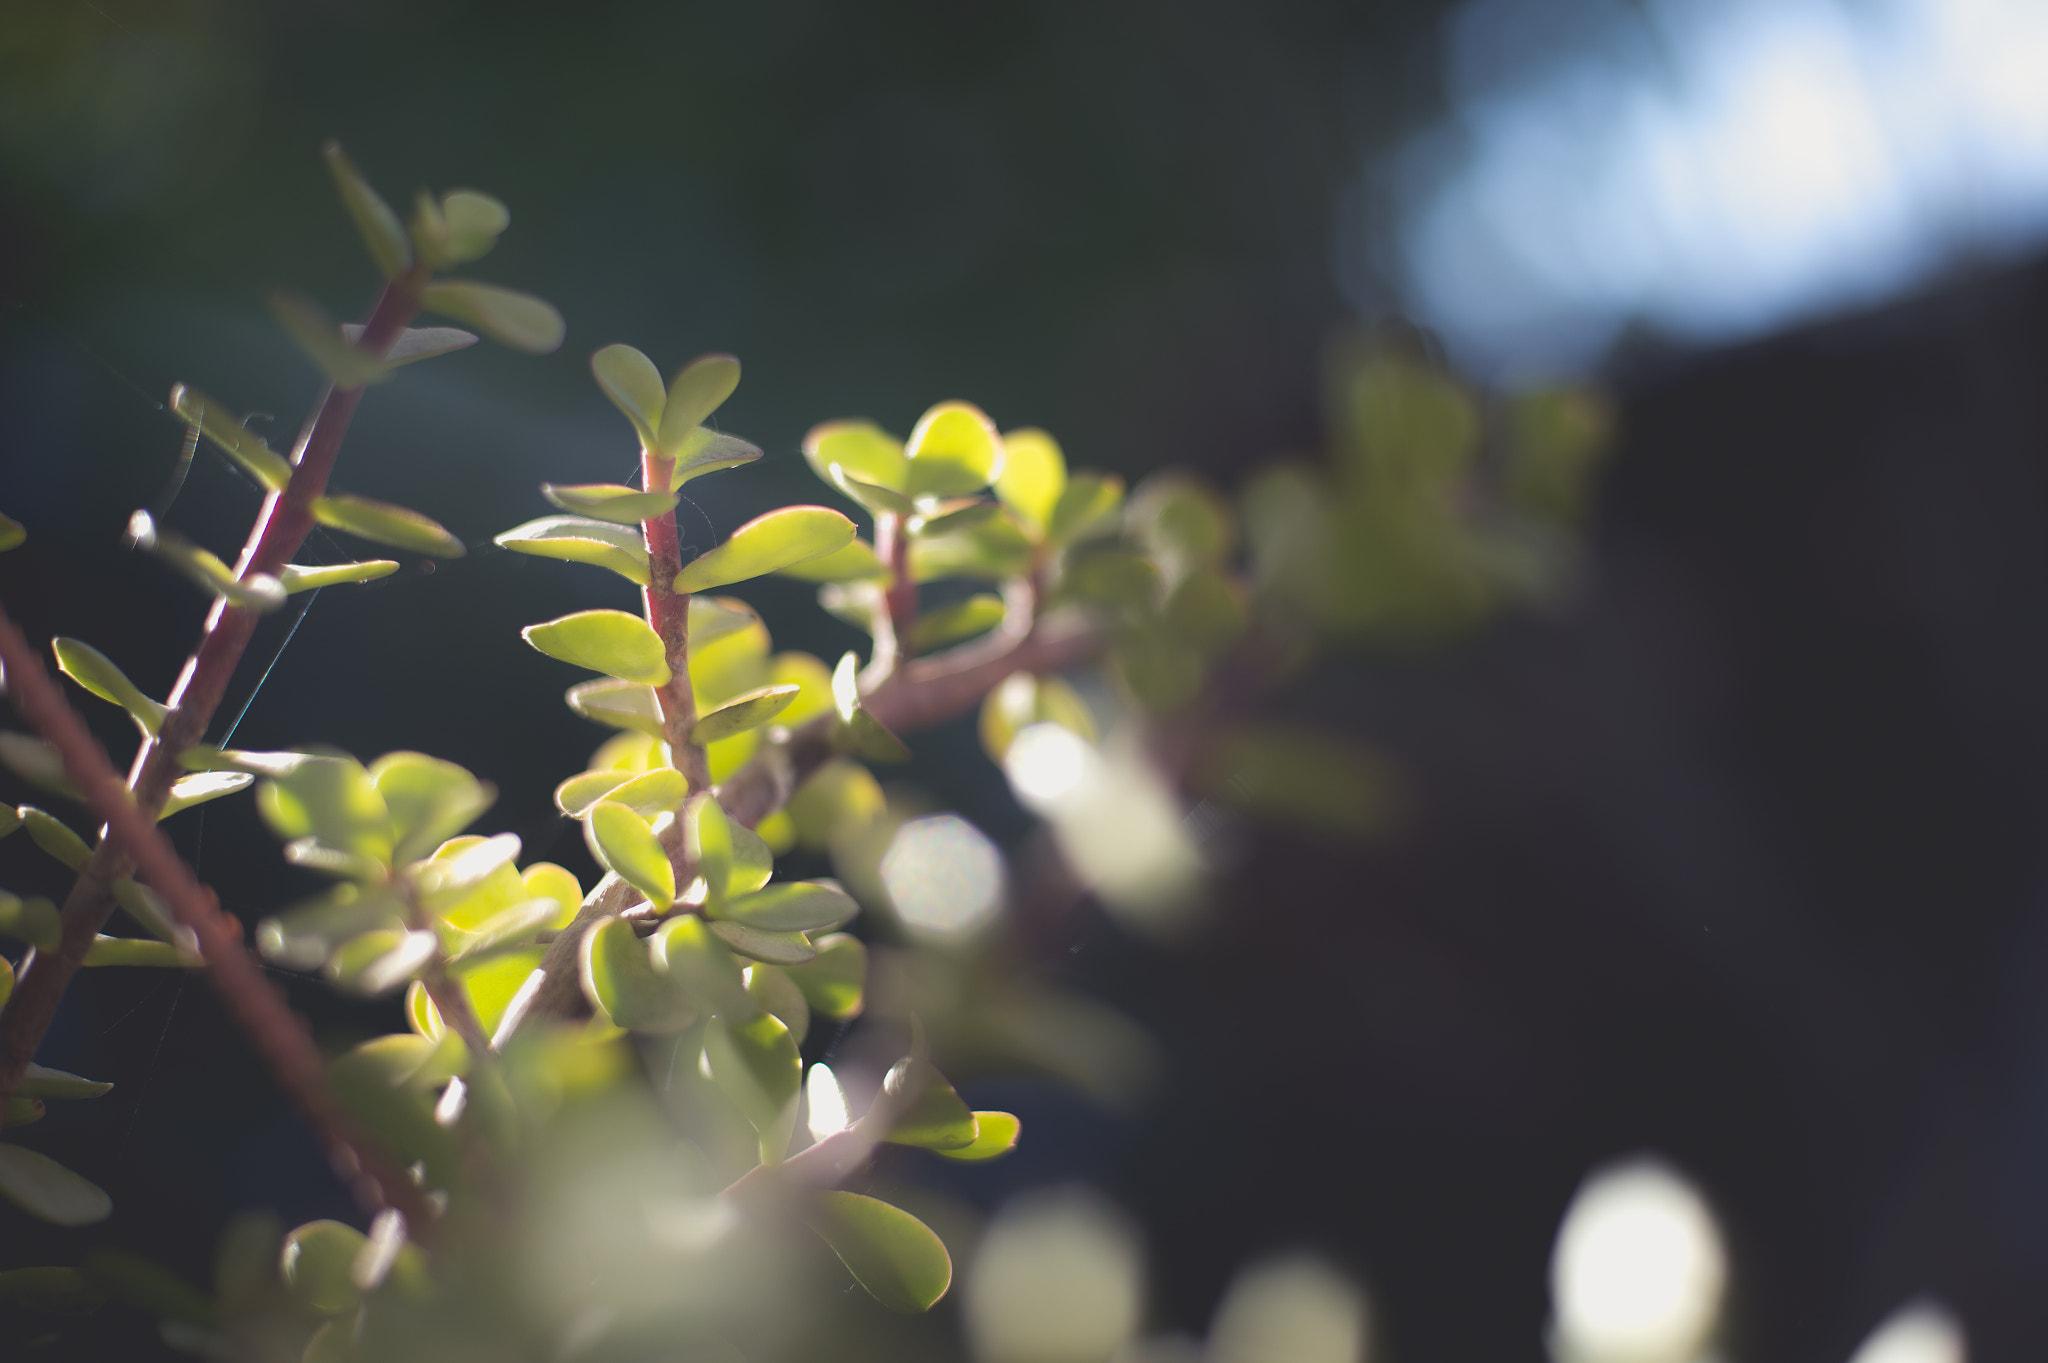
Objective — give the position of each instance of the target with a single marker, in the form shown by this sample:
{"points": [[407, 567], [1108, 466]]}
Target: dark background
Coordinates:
{"points": [[1733, 859]]}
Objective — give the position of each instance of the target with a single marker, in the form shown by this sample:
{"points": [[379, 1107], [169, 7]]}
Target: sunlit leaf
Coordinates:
{"points": [[608, 641], [96, 672], [307, 934], [770, 987], [996, 548], [147, 908], [630, 848], [244, 446], [545, 879], [298, 578], [872, 497], [888, 1251], [333, 799], [749, 711], [953, 450], [202, 786], [610, 501], [378, 962], [854, 562], [707, 451], [48, 1191], [460, 866], [791, 906], [863, 449], [507, 927], [660, 791], [429, 800], [52, 835], [140, 951], [344, 364], [702, 964], [699, 389], [813, 681], [378, 226], [399, 1117], [842, 798], [1021, 700], [1034, 474], [754, 1062], [834, 982], [777, 948], [621, 704], [258, 591], [505, 315], [416, 343], [708, 843], [579, 539], [383, 523], [717, 617], [634, 385], [766, 544], [619, 978], [951, 624], [956, 517], [474, 221], [39, 1081], [996, 1136], [936, 1118], [1088, 506], [316, 1265], [859, 732]]}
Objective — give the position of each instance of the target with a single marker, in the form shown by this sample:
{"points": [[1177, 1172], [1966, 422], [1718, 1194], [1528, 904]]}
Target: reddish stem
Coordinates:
{"points": [[668, 611]]}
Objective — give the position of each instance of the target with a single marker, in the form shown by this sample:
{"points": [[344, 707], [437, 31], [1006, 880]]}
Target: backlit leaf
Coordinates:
{"points": [[660, 791], [202, 786], [544, 878], [620, 979], [621, 704], [96, 672], [379, 962], [258, 591], [708, 843], [143, 951], [777, 948], [859, 732], [344, 364], [474, 222], [333, 799], [577, 794], [50, 833], [936, 1118], [378, 226], [766, 544], [872, 497], [244, 446], [634, 385], [1034, 474], [854, 562], [579, 539], [834, 982], [699, 389], [951, 624], [298, 578], [707, 451], [48, 1191], [1088, 506], [1182, 521], [997, 1136], [754, 1062], [41, 1082], [791, 906], [608, 641], [996, 548], [953, 450], [383, 523], [813, 681], [316, 1265], [147, 908], [429, 800], [749, 711], [891, 1253], [700, 963], [505, 315], [771, 988], [610, 501], [416, 343], [1021, 700], [630, 848], [863, 449]]}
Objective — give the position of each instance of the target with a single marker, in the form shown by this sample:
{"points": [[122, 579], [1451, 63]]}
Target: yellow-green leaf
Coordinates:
{"points": [[576, 795], [951, 624], [854, 562], [936, 1118], [700, 963], [240, 444], [708, 843], [891, 1253], [1021, 700], [707, 451], [258, 591], [834, 982], [755, 1063], [699, 388], [34, 920], [50, 833], [39, 1081], [621, 979], [767, 544], [791, 906], [997, 1136], [608, 641], [316, 1263], [383, 523], [202, 786], [12, 534], [578, 539], [96, 672], [1087, 507], [660, 791], [863, 449], [621, 704], [505, 315], [630, 848], [1034, 474], [953, 450], [299, 578], [610, 501], [634, 385], [143, 951], [777, 948], [474, 221], [379, 227], [749, 711], [416, 343], [345, 364], [48, 1191]]}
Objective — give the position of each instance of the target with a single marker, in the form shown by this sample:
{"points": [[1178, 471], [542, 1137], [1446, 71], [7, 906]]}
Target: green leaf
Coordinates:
{"points": [[936, 1118], [755, 1063], [888, 1251], [147, 908], [55, 1291], [872, 497], [708, 451], [623, 705], [578, 539], [853, 563], [474, 222], [9, 820], [50, 833], [333, 799], [244, 446], [308, 934], [378, 962], [202, 786], [698, 390], [34, 920], [316, 1263], [12, 534], [766, 544], [23, 1111], [753, 861], [299, 578], [953, 450], [507, 927], [1116, 579], [39, 1081], [835, 981], [1182, 522], [749, 711], [859, 732], [429, 800], [620, 979], [576, 795], [37, 762], [994, 549], [998, 1132], [416, 343], [701, 963], [505, 315], [863, 449], [141, 951], [660, 791], [792, 906], [6, 992], [955, 516], [1087, 507], [462, 865], [94, 671], [1021, 700], [344, 364], [48, 1191], [630, 848], [375, 222], [545, 879], [610, 501], [951, 624], [608, 641], [777, 948], [813, 681], [1034, 475], [708, 843], [258, 592], [717, 617], [634, 385], [1204, 611], [383, 523], [772, 990]]}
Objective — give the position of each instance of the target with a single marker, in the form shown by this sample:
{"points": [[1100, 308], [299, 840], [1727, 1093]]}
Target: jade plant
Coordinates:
{"points": [[592, 1131]]}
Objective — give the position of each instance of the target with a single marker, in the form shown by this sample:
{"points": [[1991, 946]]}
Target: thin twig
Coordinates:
{"points": [[277, 1033]]}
